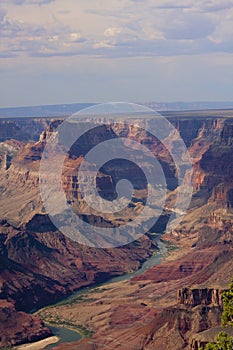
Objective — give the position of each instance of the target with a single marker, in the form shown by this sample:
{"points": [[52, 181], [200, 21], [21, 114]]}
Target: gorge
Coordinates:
{"points": [[168, 305]]}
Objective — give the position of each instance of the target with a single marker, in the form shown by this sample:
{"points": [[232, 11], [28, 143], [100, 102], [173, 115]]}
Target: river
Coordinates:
{"points": [[67, 335]]}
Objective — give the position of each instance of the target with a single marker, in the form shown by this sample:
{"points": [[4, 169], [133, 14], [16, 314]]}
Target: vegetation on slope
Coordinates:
{"points": [[225, 342]]}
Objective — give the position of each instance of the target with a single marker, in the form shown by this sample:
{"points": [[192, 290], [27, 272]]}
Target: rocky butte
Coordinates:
{"points": [[170, 306]]}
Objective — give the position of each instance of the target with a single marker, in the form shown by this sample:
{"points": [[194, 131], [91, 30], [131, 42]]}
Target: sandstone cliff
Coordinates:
{"points": [[205, 296]]}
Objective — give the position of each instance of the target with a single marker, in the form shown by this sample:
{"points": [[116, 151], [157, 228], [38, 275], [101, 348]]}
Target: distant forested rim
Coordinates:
{"points": [[59, 110], [43, 111]]}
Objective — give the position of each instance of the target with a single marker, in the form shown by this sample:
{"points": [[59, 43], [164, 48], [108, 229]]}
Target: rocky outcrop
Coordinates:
{"points": [[18, 327], [22, 129], [40, 223], [197, 344], [197, 296], [189, 321], [50, 130], [199, 340], [212, 152]]}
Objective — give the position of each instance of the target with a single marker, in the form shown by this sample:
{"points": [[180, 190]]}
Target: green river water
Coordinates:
{"points": [[67, 335]]}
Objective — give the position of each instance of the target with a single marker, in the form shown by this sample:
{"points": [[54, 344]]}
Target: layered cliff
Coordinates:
{"points": [[22, 129], [205, 296]]}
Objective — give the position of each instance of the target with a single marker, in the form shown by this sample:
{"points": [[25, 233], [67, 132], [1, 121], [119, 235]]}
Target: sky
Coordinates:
{"points": [[68, 51]]}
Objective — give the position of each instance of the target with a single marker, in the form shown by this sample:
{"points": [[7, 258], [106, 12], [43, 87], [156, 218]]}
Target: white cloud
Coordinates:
{"points": [[113, 31], [116, 28], [214, 5], [75, 37], [224, 30], [134, 49], [19, 37], [102, 44]]}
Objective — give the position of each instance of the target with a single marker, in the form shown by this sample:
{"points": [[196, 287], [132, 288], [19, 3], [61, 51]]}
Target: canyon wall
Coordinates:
{"points": [[39, 265]]}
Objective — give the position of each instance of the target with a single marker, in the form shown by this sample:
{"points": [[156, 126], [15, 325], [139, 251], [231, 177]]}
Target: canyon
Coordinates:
{"points": [[169, 305]]}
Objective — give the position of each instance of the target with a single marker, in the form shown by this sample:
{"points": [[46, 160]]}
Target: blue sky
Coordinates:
{"points": [[65, 51]]}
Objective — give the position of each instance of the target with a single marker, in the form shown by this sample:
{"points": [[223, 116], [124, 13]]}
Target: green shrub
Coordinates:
{"points": [[225, 342]]}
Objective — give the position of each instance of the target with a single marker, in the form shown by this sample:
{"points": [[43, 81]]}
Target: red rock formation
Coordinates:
{"points": [[198, 296], [18, 327]]}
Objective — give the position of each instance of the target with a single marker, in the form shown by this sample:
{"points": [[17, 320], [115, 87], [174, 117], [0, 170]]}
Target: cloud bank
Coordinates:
{"points": [[115, 29]]}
